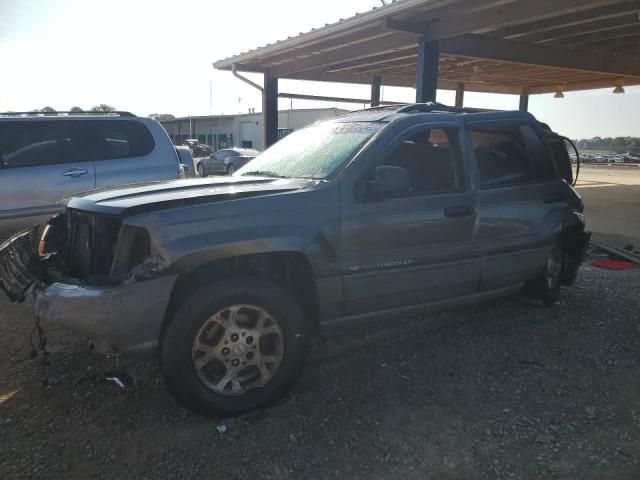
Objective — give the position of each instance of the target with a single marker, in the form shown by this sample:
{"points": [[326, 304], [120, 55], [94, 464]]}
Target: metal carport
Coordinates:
{"points": [[520, 47]]}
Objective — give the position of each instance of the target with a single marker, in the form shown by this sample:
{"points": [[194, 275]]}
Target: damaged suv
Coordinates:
{"points": [[225, 279]]}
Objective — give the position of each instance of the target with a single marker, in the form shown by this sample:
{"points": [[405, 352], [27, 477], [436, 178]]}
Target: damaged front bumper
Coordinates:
{"points": [[124, 318]]}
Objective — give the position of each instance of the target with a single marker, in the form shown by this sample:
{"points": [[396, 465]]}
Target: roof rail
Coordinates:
{"points": [[438, 107], [65, 114]]}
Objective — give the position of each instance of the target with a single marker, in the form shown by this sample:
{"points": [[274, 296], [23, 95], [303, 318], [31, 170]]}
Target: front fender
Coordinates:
{"points": [[313, 245]]}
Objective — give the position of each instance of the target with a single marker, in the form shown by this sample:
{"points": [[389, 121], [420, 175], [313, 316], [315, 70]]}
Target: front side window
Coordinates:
{"points": [[432, 158], [221, 155], [501, 156], [28, 144], [313, 152]]}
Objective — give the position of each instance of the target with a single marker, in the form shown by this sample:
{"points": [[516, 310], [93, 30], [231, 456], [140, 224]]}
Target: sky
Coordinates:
{"points": [[155, 56]]}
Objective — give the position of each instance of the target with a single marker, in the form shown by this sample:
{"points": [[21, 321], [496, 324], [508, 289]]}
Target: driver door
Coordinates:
{"points": [[418, 246]]}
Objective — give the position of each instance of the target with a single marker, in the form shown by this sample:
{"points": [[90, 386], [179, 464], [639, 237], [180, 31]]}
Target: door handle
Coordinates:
{"points": [[554, 197], [459, 211], [75, 172]]}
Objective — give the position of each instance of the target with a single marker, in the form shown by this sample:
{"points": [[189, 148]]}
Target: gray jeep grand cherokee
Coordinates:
{"points": [[385, 209]]}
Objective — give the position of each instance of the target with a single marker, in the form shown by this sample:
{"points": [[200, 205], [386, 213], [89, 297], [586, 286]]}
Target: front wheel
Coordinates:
{"points": [[233, 346], [201, 170]]}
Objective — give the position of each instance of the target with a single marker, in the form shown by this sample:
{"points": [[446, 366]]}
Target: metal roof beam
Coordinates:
{"points": [[511, 14], [591, 38], [480, 46], [397, 42], [623, 21], [570, 20]]}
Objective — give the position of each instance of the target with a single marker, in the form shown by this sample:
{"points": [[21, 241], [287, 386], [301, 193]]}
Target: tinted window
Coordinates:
{"points": [[433, 160], [25, 144], [119, 139], [562, 159], [501, 156], [543, 168]]}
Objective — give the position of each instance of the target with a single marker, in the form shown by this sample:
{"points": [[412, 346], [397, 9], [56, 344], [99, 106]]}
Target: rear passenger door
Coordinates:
{"points": [[520, 201], [415, 247], [41, 162], [125, 152]]}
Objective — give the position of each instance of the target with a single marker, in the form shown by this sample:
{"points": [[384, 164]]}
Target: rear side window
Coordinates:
{"points": [[501, 156], [28, 144], [562, 159], [119, 139], [543, 167]]}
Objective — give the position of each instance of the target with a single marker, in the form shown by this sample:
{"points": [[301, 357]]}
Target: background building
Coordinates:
{"points": [[243, 130]]}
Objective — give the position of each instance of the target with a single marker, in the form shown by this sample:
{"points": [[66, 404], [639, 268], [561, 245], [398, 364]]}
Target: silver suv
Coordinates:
{"points": [[46, 157]]}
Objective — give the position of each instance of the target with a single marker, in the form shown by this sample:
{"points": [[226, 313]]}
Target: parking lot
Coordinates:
{"points": [[612, 199], [504, 390]]}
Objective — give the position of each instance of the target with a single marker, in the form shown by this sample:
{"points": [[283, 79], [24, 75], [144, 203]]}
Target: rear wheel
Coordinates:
{"points": [[547, 285], [201, 170], [233, 347]]}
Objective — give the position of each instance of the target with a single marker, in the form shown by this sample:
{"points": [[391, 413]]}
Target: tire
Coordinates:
{"points": [[570, 268], [194, 334], [201, 170], [231, 170], [546, 286]]}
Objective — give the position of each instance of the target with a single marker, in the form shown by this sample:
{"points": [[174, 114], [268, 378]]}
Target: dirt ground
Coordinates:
{"points": [[612, 203], [499, 391]]}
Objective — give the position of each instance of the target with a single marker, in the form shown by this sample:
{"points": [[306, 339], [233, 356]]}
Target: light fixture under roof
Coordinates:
{"points": [[559, 92], [619, 87]]}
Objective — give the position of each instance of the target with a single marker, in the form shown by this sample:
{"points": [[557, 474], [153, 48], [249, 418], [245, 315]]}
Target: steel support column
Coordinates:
{"points": [[375, 91], [460, 95], [269, 111], [524, 103], [427, 70]]}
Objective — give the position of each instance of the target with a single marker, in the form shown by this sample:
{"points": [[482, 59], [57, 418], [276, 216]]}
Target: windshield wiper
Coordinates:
{"points": [[264, 173]]}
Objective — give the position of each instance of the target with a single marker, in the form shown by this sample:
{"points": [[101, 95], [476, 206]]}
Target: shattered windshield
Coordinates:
{"points": [[313, 152]]}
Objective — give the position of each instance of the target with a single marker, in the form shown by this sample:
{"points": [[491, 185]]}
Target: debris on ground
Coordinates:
{"points": [[612, 264], [222, 428]]}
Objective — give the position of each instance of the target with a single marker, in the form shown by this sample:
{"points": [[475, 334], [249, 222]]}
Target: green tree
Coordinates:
{"points": [[103, 107], [76, 110], [48, 109]]}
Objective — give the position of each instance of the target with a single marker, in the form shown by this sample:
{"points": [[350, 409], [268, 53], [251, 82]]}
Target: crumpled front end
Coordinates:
{"points": [[94, 275], [125, 318]]}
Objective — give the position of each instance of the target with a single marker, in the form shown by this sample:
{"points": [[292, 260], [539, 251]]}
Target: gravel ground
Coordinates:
{"points": [[502, 390]]}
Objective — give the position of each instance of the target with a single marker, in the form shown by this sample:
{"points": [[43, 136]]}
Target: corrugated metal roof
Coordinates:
{"points": [[502, 46]]}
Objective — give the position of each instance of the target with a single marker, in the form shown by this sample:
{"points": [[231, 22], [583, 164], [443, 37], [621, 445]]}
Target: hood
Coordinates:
{"points": [[153, 196]]}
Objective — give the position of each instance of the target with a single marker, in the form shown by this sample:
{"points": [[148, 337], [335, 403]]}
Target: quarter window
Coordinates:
{"points": [[501, 156], [433, 159]]}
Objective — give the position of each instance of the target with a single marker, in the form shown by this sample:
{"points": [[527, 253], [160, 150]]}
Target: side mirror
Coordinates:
{"points": [[389, 181]]}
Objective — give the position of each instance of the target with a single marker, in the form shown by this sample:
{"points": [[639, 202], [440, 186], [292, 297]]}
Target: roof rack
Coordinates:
{"points": [[438, 107], [66, 114]]}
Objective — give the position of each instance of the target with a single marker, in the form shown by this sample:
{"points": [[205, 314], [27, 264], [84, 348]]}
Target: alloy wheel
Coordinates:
{"points": [[237, 349]]}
